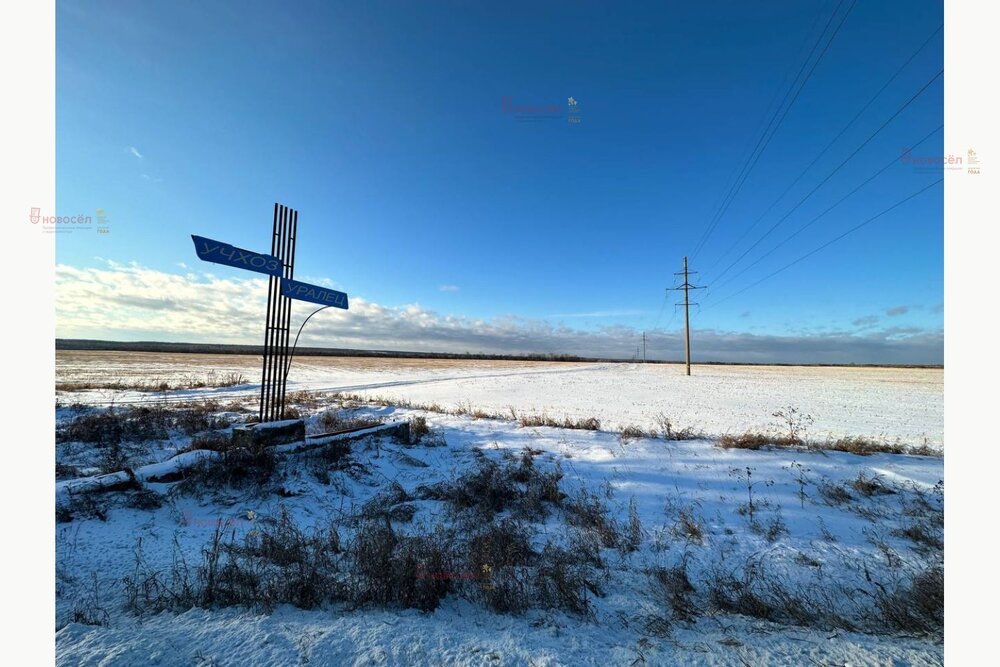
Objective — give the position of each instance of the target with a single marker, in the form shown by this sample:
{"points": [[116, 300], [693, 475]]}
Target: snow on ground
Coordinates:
{"points": [[820, 541], [890, 403]]}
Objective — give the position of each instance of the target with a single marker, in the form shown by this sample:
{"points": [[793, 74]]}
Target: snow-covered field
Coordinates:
{"points": [[822, 541], [892, 403]]}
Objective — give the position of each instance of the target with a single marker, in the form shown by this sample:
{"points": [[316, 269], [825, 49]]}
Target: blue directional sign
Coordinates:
{"points": [[223, 253], [324, 296]]}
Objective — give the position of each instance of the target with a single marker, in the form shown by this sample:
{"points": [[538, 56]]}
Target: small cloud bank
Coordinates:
{"points": [[131, 302]]}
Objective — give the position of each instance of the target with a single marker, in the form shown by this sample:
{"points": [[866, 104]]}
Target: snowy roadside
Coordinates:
{"points": [[822, 523]]}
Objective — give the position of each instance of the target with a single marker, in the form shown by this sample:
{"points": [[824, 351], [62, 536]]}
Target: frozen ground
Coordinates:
{"points": [[836, 550], [888, 403]]}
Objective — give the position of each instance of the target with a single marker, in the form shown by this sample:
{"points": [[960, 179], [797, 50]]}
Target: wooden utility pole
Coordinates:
{"points": [[687, 319]]}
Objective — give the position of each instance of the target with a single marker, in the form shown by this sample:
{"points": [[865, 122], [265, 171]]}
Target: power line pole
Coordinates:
{"points": [[643, 347], [687, 319]]}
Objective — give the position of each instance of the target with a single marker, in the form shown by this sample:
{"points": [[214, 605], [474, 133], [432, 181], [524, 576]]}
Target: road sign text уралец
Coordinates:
{"points": [[324, 296]]}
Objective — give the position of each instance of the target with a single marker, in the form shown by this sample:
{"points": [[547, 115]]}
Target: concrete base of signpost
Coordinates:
{"points": [[257, 436]]}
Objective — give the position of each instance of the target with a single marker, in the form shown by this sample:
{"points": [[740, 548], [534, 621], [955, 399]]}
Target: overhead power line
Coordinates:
{"points": [[801, 229], [769, 133], [827, 244], [831, 174], [823, 152]]}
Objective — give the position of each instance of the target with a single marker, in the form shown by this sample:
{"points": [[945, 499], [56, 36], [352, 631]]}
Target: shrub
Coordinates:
{"points": [[418, 428], [496, 561], [676, 588], [632, 535], [382, 504], [587, 511], [914, 606], [669, 432], [688, 526], [748, 440], [794, 422], [234, 469], [216, 441], [739, 594], [631, 432], [834, 494], [330, 421], [922, 535], [563, 579], [144, 499], [399, 570], [64, 471], [870, 486], [492, 487], [140, 423], [582, 423], [82, 505], [863, 446], [89, 610]]}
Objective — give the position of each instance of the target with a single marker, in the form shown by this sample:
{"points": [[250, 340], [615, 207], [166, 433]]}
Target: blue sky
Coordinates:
{"points": [[384, 124]]}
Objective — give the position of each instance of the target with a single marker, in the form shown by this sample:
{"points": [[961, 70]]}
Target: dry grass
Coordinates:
{"points": [[632, 432], [418, 428], [668, 431], [586, 510], [676, 589], [834, 494], [491, 488], [870, 486], [236, 469], [140, 423], [688, 526], [490, 561], [863, 446], [211, 379], [215, 441], [536, 420], [858, 445], [331, 421], [755, 440]]}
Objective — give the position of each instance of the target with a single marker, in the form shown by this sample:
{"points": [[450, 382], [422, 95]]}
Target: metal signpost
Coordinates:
{"points": [[281, 289]]}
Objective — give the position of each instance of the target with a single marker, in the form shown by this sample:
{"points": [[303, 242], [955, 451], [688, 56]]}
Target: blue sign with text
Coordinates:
{"points": [[324, 296], [223, 253]]}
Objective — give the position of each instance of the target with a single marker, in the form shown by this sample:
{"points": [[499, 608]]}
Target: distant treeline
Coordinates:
{"points": [[216, 348]]}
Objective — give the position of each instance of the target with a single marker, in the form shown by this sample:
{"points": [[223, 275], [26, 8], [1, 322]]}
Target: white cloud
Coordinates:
{"points": [[448, 288], [134, 151], [132, 302]]}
